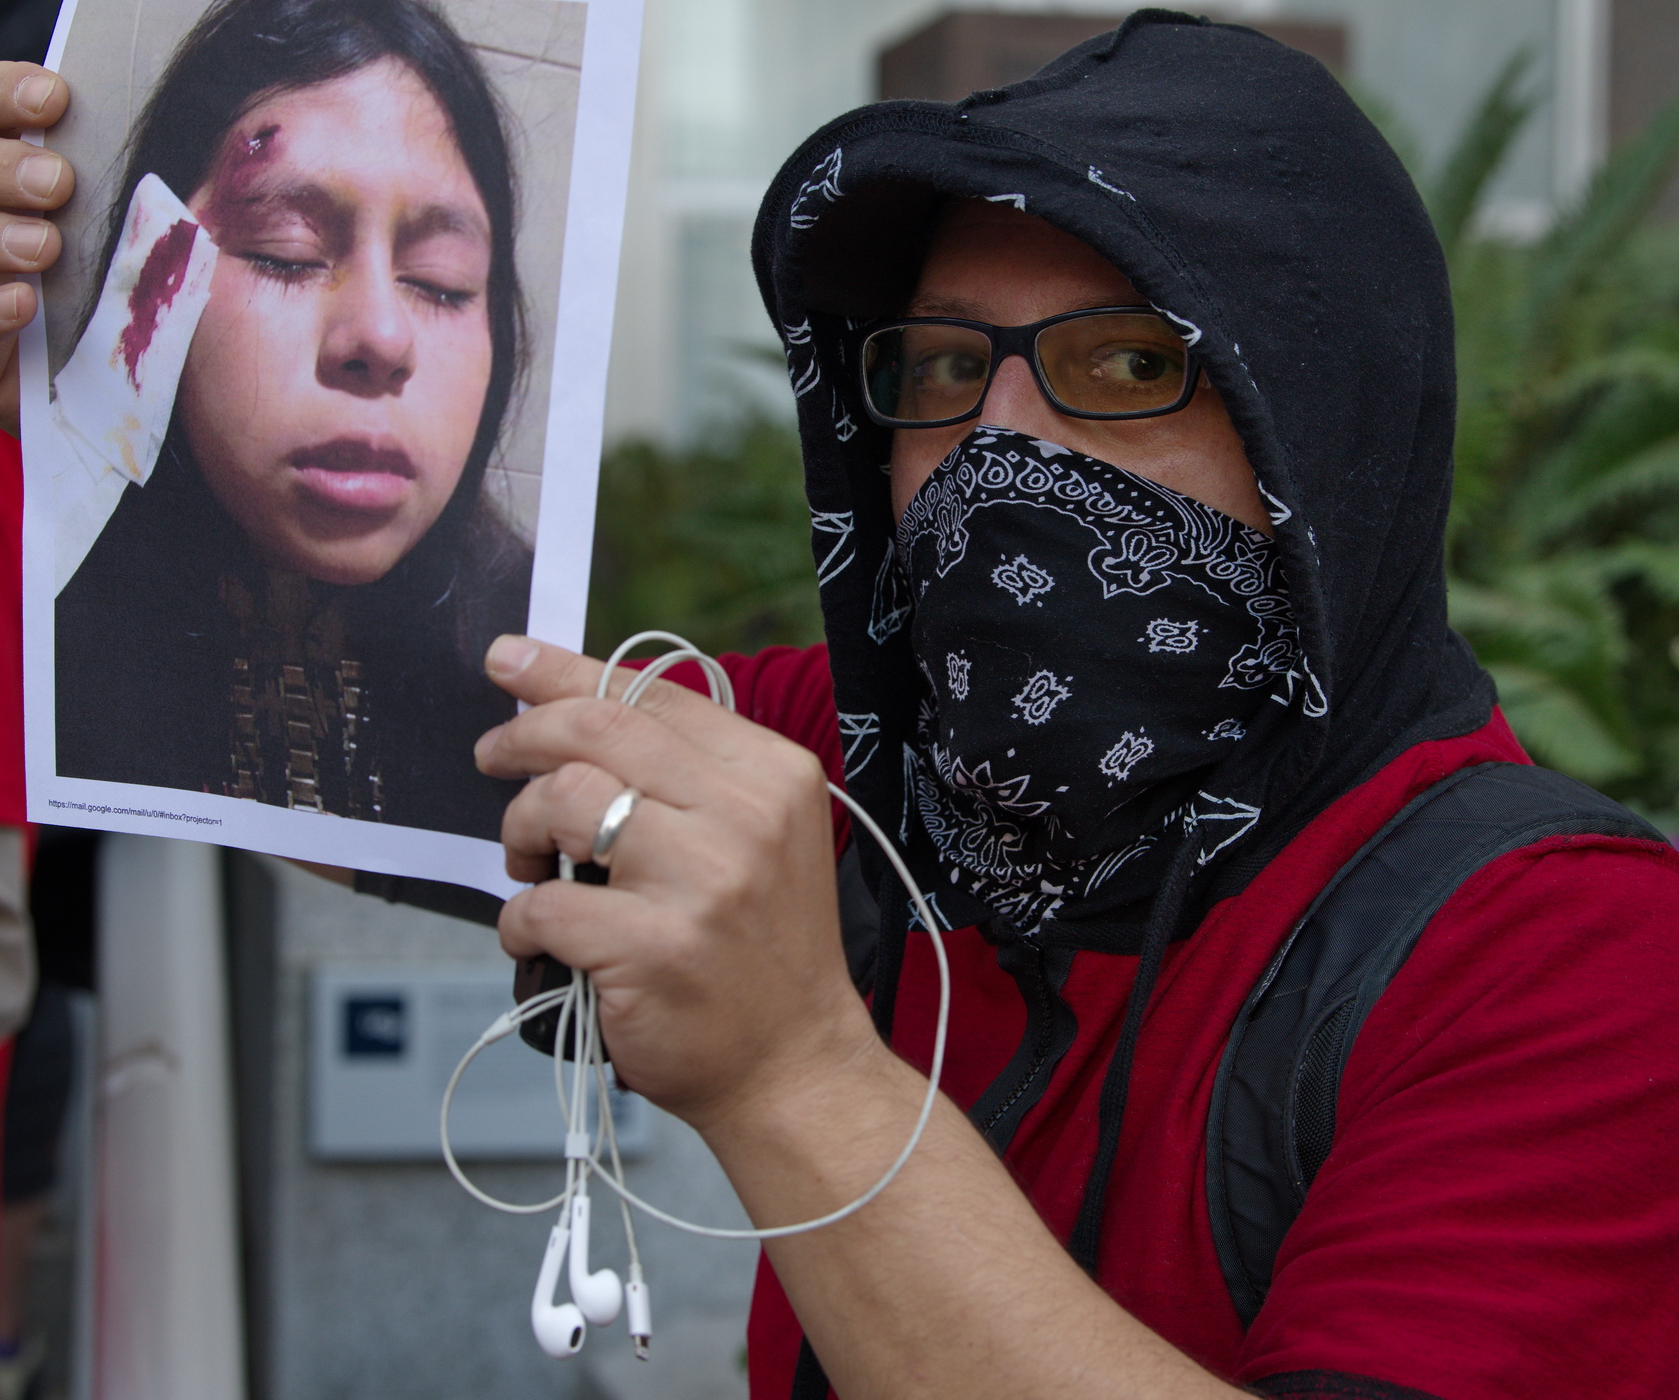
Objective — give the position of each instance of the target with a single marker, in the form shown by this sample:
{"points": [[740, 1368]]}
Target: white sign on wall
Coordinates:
{"points": [[384, 1039]]}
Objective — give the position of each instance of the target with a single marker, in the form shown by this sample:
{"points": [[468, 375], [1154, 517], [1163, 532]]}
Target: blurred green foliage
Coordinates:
{"points": [[1563, 548], [711, 542]]}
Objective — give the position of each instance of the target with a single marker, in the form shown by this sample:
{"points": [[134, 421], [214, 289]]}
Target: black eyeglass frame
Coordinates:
{"points": [[1023, 341]]}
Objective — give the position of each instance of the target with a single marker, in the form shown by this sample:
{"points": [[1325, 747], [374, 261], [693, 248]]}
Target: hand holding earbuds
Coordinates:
{"points": [[599, 1296]]}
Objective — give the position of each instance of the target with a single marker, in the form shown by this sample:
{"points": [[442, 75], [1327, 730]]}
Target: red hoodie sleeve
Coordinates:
{"points": [[790, 690]]}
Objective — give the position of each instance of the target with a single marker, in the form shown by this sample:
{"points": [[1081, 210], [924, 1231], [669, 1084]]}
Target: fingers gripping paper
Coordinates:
{"points": [[114, 398]]}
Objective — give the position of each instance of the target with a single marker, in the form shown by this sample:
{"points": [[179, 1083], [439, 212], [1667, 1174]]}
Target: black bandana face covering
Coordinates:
{"points": [[1093, 642]]}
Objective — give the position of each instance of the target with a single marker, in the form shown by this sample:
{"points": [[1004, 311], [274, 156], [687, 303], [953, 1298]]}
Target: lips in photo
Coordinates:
{"points": [[355, 474]]}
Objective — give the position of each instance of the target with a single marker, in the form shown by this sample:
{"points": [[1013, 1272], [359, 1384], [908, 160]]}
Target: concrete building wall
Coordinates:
{"points": [[377, 1280]]}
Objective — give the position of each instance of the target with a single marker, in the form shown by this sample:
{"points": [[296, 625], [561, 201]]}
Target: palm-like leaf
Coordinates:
{"points": [[1620, 491], [1558, 727], [1564, 540], [1617, 200], [1478, 153], [712, 542]]}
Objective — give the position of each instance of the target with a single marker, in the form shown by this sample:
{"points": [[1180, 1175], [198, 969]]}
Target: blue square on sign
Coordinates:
{"points": [[375, 1026]]}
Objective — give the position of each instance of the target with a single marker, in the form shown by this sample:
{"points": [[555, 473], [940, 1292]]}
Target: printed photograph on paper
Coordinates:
{"points": [[299, 349]]}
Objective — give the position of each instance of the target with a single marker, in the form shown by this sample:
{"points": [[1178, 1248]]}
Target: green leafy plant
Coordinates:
{"points": [[1563, 547]]}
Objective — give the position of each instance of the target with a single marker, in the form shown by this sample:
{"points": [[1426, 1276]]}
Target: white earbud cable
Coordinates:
{"points": [[577, 1006]]}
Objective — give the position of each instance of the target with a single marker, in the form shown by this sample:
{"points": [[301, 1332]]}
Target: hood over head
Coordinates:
{"points": [[1245, 196]]}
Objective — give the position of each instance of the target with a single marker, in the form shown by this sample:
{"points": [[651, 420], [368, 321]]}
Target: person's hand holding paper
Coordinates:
{"points": [[31, 180]]}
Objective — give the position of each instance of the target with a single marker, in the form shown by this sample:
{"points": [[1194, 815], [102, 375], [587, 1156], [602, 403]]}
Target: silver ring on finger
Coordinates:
{"points": [[611, 823]]}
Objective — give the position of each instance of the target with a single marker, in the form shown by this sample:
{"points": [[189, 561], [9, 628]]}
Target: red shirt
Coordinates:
{"points": [[12, 809], [1497, 1217]]}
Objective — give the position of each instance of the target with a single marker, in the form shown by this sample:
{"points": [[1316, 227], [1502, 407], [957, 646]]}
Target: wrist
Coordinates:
{"points": [[830, 1119], [826, 1055]]}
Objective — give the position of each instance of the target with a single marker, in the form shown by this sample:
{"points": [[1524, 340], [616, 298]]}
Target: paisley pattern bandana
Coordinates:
{"points": [[1092, 643]]}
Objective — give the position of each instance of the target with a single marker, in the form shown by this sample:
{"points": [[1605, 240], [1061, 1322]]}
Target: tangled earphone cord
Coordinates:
{"points": [[576, 1004]]}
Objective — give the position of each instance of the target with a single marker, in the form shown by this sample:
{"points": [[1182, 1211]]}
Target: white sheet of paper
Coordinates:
{"points": [[112, 422]]}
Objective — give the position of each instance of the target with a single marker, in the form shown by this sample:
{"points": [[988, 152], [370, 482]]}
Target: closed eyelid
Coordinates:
{"points": [[441, 221]]}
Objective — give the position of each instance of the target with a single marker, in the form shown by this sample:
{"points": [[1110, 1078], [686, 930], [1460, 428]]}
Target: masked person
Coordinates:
{"points": [[1126, 396]]}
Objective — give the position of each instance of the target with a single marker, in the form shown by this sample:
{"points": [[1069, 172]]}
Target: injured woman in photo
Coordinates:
{"points": [[277, 565]]}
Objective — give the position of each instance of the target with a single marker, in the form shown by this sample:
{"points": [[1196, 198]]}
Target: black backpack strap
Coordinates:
{"points": [[1272, 1118], [810, 1381]]}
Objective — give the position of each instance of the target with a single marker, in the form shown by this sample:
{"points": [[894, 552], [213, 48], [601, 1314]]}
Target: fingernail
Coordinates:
{"points": [[33, 93], [510, 655], [39, 175], [11, 296], [486, 742], [24, 241]]}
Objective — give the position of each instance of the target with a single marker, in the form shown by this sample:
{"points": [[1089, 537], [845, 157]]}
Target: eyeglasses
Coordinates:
{"points": [[1113, 362]]}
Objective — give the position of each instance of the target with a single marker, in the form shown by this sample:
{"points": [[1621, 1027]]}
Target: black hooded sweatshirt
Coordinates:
{"points": [[1237, 186]]}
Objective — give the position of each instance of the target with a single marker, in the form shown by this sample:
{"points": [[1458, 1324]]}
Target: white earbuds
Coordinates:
{"points": [[599, 1295], [559, 1327]]}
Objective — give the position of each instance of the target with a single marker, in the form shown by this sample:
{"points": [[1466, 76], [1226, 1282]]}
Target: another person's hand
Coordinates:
{"points": [[31, 180], [716, 947]]}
